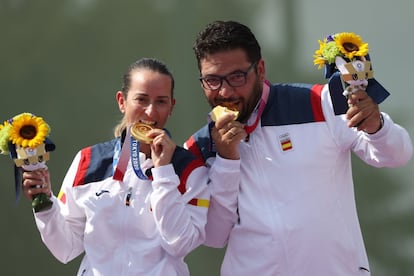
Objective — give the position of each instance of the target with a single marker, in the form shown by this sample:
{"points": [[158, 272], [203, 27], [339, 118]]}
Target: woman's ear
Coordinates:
{"points": [[121, 101]]}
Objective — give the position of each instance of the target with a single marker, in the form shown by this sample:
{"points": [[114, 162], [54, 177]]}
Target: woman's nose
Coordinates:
{"points": [[149, 109]]}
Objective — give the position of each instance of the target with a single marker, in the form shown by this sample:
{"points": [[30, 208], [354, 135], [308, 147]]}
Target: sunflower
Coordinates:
{"points": [[348, 45], [28, 130], [319, 59], [351, 45]]}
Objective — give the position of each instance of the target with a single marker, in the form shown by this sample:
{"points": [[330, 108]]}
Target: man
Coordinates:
{"points": [[281, 180]]}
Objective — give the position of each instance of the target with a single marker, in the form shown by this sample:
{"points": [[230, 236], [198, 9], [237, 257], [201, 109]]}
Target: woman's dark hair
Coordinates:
{"points": [[151, 64], [221, 36]]}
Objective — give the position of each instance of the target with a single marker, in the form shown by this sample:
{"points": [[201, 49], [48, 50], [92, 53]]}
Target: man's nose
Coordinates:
{"points": [[226, 90]]}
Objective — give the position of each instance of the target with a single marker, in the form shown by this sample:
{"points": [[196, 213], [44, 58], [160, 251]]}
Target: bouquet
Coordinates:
{"points": [[348, 65], [348, 53], [25, 139]]}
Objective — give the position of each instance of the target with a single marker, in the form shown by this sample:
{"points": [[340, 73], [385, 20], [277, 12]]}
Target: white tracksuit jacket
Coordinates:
{"points": [[287, 207], [164, 221]]}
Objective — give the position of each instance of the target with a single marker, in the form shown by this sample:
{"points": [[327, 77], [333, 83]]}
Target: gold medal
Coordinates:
{"points": [[220, 111], [140, 131]]}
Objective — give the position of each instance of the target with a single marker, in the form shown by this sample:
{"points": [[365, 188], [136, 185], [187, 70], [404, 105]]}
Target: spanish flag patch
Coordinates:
{"points": [[285, 142]]}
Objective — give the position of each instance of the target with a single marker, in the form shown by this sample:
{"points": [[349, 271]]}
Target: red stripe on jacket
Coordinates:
{"points": [[192, 147], [186, 172], [83, 166], [316, 102]]}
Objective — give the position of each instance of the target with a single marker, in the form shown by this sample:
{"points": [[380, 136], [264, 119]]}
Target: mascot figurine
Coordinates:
{"points": [[25, 138], [348, 66]]}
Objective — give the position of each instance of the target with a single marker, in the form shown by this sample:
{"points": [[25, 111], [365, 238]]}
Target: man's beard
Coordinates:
{"points": [[250, 103]]}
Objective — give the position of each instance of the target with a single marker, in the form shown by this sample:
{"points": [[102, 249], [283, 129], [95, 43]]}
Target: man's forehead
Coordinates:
{"points": [[220, 67]]}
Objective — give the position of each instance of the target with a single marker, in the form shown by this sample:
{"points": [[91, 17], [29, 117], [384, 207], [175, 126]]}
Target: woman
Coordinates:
{"points": [[134, 208]]}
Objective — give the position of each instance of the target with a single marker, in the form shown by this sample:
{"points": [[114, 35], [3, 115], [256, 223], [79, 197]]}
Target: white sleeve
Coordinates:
{"points": [[391, 146], [62, 227], [222, 215], [181, 224]]}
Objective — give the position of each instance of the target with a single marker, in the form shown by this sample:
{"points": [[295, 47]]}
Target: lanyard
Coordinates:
{"points": [[262, 105], [130, 149], [135, 159]]}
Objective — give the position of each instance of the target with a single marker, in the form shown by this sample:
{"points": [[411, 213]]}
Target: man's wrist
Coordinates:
{"points": [[380, 126]]}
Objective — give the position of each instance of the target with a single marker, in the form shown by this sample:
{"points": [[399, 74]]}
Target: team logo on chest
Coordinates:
{"points": [[285, 142]]}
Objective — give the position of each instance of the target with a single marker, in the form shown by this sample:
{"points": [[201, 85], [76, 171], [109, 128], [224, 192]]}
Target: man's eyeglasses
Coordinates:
{"points": [[235, 79]]}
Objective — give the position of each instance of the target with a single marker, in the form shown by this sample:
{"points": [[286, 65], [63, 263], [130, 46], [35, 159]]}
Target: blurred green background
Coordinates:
{"points": [[64, 60]]}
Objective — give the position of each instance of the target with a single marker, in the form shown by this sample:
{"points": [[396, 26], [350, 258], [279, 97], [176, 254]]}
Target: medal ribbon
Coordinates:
{"points": [[121, 158], [135, 159], [262, 105]]}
